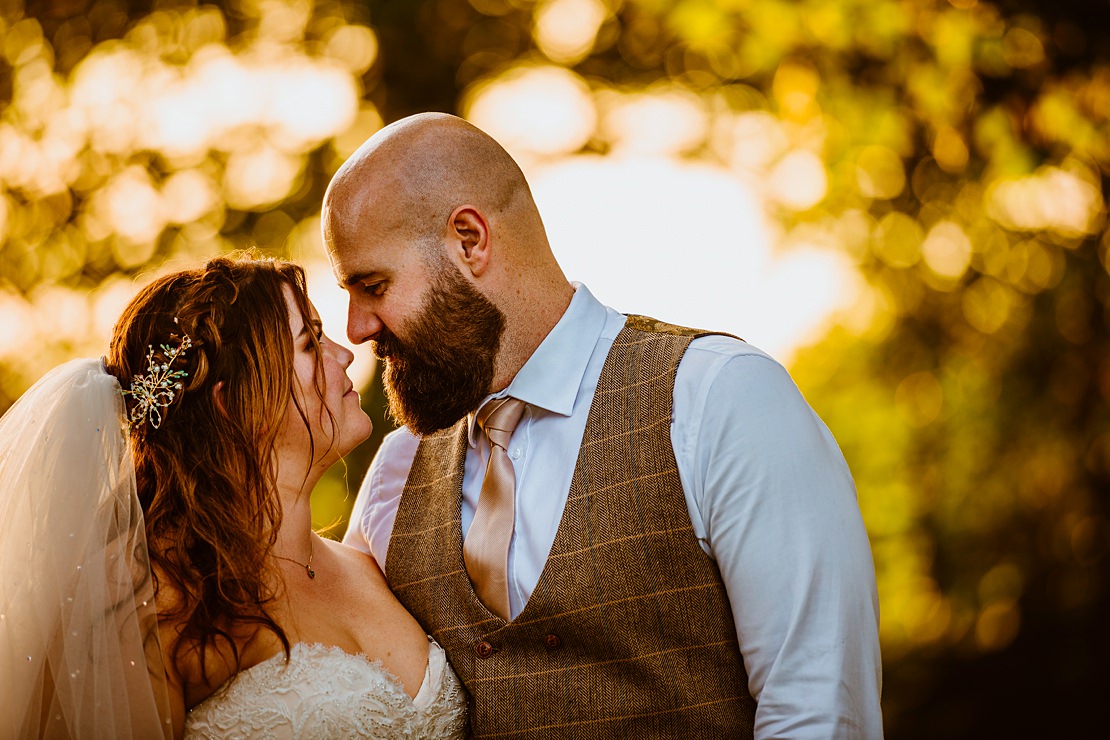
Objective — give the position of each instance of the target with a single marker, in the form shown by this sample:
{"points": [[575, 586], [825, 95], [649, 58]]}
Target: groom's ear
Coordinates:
{"points": [[469, 231]]}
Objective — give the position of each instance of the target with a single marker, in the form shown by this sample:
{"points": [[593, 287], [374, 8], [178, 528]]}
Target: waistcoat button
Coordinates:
{"points": [[552, 641], [483, 649]]}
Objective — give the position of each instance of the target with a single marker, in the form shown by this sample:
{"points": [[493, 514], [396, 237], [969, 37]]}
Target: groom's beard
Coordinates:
{"points": [[443, 368]]}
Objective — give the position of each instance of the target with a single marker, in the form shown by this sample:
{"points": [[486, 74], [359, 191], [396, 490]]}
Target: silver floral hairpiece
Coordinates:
{"points": [[155, 390]]}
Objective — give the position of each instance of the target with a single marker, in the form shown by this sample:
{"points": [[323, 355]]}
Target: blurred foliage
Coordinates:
{"points": [[137, 140], [957, 150]]}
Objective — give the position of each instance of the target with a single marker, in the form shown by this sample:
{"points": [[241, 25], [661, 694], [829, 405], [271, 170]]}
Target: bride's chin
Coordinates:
{"points": [[353, 440]]}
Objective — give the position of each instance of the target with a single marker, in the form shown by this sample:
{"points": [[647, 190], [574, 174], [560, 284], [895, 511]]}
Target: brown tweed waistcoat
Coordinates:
{"points": [[628, 633]]}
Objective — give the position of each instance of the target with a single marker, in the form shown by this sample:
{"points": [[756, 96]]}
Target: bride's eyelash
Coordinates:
{"points": [[317, 330]]}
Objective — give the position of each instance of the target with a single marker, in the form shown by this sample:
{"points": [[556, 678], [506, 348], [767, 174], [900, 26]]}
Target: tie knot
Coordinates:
{"points": [[499, 418]]}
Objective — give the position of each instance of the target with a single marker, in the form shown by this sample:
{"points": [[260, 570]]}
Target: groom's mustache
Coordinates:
{"points": [[387, 346]]}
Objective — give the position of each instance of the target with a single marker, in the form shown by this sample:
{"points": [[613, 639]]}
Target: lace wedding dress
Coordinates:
{"points": [[324, 692]]}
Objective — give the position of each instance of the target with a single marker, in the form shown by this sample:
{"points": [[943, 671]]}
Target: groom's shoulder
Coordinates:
{"points": [[708, 340], [725, 345], [709, 346], [711, 338], [715, 356]]}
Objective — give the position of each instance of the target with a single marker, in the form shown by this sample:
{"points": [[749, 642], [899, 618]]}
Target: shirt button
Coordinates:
{"points": [[552, 641], [516, 453], [483, 649]]}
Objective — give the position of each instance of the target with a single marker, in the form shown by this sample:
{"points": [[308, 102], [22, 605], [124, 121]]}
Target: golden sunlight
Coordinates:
{"points": [[534, 111]]}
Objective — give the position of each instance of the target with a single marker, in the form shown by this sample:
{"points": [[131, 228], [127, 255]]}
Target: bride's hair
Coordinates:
{"points": [[206, 475]]}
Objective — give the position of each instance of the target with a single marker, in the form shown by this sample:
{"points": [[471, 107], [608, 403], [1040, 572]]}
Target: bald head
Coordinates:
{"points": [[433, 197], [413, 173]]}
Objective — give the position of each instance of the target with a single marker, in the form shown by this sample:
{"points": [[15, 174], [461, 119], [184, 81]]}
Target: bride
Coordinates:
{"points": [[159, 575]]}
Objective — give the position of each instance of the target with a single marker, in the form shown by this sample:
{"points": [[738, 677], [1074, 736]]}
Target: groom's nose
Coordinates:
{"points": [[363, 324]]}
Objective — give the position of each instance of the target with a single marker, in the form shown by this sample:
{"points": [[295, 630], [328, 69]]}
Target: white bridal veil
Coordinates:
{"points": [[79, 653]]}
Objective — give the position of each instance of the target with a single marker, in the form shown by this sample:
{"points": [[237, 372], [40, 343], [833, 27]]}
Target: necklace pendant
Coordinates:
{"points": [[310, 571]]}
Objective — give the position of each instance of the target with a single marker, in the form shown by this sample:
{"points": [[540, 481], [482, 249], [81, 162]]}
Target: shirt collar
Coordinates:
{"points": [[552, 376]]}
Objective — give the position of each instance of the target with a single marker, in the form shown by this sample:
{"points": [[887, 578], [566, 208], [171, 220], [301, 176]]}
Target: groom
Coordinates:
{"points": [[615, 527]]}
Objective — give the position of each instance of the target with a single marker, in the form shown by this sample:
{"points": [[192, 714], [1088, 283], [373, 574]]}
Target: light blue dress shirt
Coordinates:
{"points": [[770, 499]]}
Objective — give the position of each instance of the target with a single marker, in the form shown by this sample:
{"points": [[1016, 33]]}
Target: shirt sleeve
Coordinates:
{"points": [[779, 514], [375, 508]]}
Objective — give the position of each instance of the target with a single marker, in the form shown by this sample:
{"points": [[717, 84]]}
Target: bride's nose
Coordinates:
{"points": [[344, 356]]}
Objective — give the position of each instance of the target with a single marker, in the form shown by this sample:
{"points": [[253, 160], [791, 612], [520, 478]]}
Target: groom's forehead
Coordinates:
{"points": [[358, 245], [364, 206]]}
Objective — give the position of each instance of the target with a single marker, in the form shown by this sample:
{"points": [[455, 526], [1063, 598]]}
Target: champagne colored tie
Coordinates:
{"points": [[486, 548]]}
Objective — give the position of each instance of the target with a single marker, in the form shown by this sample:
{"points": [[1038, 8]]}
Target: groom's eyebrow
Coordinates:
{"points": [[356, 278]]}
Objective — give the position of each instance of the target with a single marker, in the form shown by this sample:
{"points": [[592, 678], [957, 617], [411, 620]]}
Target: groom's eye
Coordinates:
{"points": [[374, 289]]}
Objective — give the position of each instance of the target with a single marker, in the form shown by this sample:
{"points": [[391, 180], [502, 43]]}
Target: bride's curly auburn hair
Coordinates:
{"points": [[206, 476]]}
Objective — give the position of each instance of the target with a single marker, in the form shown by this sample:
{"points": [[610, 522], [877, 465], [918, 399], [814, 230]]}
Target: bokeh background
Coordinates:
{"points": [[904, 200]]}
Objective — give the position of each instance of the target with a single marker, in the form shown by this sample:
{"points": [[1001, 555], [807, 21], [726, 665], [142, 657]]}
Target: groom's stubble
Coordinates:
{"points": [[443, 367]]}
